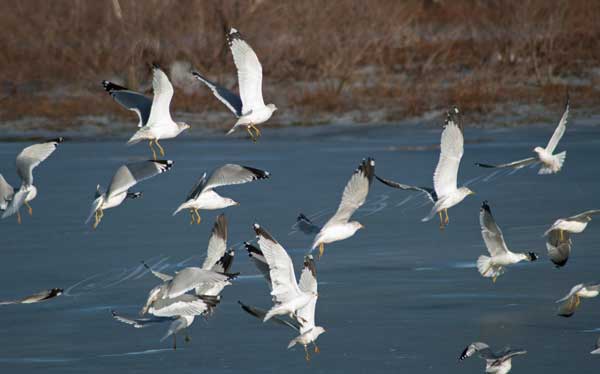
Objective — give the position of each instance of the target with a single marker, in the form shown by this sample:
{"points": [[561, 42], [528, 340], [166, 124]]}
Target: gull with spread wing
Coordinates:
{"points": [[203, 195], [127, 176], [574, 224], [551, 163], [501, 256], [249, 107], [288, 296], [305, 323], [495, 362], [339, 227], [446, 173], [27, 160], [155, 119], [571, 302]]}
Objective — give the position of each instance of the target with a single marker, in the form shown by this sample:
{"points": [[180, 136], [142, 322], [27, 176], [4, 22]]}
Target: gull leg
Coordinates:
{"points": [[251, 134], [577, 301], [152, 149], [187, 338], [29, 207], [258, 134], [441, 220], [447, 220], [160, 148], [174, 342], [494, 279], [321, 249], [562, 236], [192, 220], [317, 350], [18, 217], [198, 219], [307, 357]]}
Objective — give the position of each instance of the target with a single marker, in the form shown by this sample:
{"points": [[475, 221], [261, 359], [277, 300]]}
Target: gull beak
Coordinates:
{"points": [[472, 193], [362, 226]]}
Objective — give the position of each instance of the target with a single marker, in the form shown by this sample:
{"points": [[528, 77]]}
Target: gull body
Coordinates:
{"points": [[339, 226], [495, 362], [572, 300], [500, 256]]}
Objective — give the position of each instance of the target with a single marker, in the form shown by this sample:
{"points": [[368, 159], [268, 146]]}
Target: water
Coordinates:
{"points": [[400, 296]]}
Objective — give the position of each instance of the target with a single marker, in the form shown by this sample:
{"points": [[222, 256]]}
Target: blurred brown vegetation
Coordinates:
{"points": [[402, 57]]}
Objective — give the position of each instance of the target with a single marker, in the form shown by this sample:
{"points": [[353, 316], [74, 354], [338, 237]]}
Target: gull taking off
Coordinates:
{"points": [[203, 195], [288, 297], [574, 224], [551, 163], [445, 177], [573, 299], [354, 196], [155, 119], [127, 176], [501, 256], [495, 362], [27, 160], [249, 107], [305, 323]]}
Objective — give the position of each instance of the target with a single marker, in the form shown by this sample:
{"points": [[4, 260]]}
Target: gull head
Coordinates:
{"points": [[272, 107], [355, 225], [182, 126]]}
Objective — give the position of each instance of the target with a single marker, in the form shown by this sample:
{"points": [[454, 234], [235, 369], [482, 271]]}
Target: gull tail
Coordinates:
{"points": [[292, 343], [484, 265], [560, 160], [96, 204], [180, 208], [141, 134], [431, 214]]}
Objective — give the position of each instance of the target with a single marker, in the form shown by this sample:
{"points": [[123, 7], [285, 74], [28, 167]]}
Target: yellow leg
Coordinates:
{"points": [[18, 217], [192, 220], [30, 209], [152, 149], [447, 220], [256, 129], [161, 150], [198, 219], [317, 350], [494, 279], [96, 220], [577, 301], [441, 220], [251, 134], [321, 249], [307, 357], [562, 236]]}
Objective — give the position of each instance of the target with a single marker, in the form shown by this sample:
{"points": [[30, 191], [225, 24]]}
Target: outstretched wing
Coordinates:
{"points": [[129, 175], [217, 244], [451, 152], [6, 193], [261, 313], [585, 215], [189, 305], [163, 93], [259, 260], [515, 164], [249, 72], [355, 193], [430, 192], [477, 347], [492, 235], [559, 247], [32, 156], [281, 268], [134, 101], [139, 323], [231, 100], [229, 174], [560, 129], [192, 277]]}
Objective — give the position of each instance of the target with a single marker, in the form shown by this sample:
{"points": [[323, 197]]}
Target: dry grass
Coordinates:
{"points": [[318, 56]]}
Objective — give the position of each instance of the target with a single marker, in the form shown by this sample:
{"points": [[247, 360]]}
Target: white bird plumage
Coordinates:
{"points": [[495, 362]]}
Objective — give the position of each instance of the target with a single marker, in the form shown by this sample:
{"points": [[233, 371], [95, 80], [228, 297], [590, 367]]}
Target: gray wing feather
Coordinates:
{"points": [[139, 323], [190, 278], [308, 277], [217, 244], [515, 164], [560, 129], [15, 204], [585, 215], [559, 249], [260, 314], [6, 193], [32, 156], [134, 101], [130, 174], [430, 192], [229, 174], [231, 100], [492, 235], [259, 260]]}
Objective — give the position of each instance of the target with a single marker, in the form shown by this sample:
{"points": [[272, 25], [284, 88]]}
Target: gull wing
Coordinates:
{"points": [[230, 174], [188, 305], [308, 284], [217, 244], [249, 72], [559, 249], [139, 323], [32, 156], [131, 100], [162, 276], [492, 235], [560, 129], [259, 261], [477, 347], [231, 100], [192, 277], [281, 268], [306, 225], [515, 164], [585, 215], [572, 292], [260, 314], [6, 193], [355, 193], [430, 192], [451, 152], [163, 93], [568, 308], [130, 174], [16, 203]]}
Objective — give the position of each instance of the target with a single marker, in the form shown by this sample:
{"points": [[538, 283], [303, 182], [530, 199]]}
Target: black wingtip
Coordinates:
{"points": [[262, 232], [232, 35], [485, 206], [463, 355], [58, 140], [258, 173], [532, 256], [252, 249], [156, 65], [110, 86], [302, 217], [167, 164], [367, 168], [452, 115]]}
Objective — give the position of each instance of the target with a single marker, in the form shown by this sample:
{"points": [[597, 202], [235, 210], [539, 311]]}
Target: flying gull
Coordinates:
{"points": [[203, 195], [29, 158], [501, 256], [305, 323], [495, 362], [127, 176], [574, 224], [551, 163], [571, 302], [36, 297], [249, 107], [155, 119], [354, 196], [288, 297], [559, 246]]}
